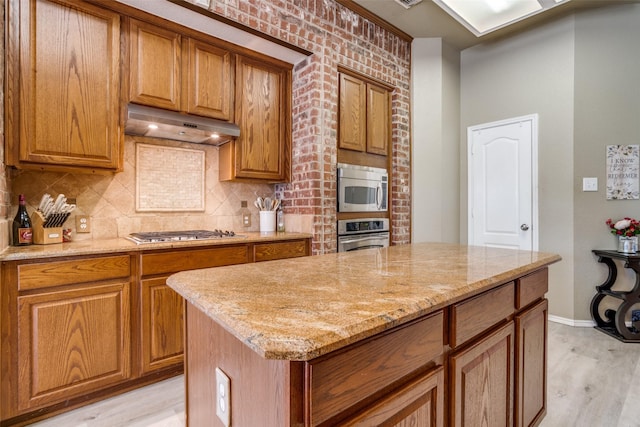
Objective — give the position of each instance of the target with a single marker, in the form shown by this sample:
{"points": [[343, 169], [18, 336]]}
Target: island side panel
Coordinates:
{"points": [[264, 392]]}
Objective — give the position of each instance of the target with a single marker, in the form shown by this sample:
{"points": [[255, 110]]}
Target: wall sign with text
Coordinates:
{"points": [[623, 169]]}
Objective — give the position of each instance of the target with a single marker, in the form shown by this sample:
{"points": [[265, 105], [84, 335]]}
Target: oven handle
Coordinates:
{"points": [[360, 239], [364, 247]]}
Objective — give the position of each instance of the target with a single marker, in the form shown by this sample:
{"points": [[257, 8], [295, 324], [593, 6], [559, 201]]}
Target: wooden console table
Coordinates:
{"points": [[613, 322]]}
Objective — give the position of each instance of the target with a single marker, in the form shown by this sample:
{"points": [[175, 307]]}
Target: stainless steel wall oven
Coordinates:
{"points": [[362, 233]]}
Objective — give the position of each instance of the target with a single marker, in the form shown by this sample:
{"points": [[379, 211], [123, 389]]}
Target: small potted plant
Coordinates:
{"points": [[627, 230]]}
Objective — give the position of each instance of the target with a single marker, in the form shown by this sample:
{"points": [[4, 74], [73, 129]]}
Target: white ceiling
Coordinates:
{"points": [[426, 19]]}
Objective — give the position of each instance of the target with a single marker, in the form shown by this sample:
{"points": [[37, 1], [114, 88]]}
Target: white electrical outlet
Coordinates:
{"points": [[223, 397], [589, 184]]}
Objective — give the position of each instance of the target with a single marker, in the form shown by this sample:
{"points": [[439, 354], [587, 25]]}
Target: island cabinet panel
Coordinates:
{"points": [[63, 86], [264, 392], [482, 381], [347, 378], [72, 342], [531, 373], [418, 404], [531, 287], [476, 315], [279, 250]]}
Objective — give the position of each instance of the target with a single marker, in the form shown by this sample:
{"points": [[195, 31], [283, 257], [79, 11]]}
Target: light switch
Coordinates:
{"points": [[589, 184]]}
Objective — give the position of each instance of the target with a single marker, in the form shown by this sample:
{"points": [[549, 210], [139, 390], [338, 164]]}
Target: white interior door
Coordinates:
{"points": [[502, 161]]}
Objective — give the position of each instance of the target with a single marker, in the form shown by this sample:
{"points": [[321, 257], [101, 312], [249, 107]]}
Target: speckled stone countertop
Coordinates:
{"points": [[302, 308], [96, 247]]}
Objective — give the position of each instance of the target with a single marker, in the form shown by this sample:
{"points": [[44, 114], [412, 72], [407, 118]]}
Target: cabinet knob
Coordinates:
{"points": [[524, 227]]}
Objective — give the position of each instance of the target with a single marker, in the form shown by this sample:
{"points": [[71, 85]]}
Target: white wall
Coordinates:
{"points": [[435, 77], [532, 73]]}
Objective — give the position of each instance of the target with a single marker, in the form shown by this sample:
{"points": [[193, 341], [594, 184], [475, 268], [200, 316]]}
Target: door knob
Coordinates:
{"points": [[524, 227]]}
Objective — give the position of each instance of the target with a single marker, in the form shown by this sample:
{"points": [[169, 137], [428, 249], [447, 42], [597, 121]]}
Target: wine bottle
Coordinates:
{"points": [[22, 230]]}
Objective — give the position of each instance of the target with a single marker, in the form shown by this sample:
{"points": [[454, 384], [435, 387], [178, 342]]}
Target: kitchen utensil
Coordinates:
{"points": [[44, 202], [267, 204], [60, 200], [48, 208]]}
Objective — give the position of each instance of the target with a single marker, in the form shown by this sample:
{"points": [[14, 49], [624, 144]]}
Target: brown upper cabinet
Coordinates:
{"points": [[63, 87], [364, 115], [154, 66], [263, 112], [175, 72]]}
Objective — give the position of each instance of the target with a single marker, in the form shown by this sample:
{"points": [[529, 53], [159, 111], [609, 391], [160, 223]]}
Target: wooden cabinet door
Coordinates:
{"points": [[481, 382], [162, 325], [263, 110], [154, 66], [378, 120], [209, 81], [531, 356], [63, 77], [417, 404], [353, 113], [72, 342]]}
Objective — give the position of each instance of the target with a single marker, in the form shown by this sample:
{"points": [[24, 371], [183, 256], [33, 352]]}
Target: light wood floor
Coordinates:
{"points": [[593, 381]]}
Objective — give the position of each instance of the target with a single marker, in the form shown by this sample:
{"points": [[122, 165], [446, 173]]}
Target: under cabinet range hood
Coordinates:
{"points": [[165, 124]]}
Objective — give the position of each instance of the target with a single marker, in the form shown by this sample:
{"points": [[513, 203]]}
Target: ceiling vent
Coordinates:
{"points": [[408, 3]]}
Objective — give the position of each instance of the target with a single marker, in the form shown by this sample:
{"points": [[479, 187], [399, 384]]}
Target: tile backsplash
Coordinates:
{"points": [[110, 200]]}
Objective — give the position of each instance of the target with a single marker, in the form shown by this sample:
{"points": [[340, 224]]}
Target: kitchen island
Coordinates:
{"points": [[371, 337]]}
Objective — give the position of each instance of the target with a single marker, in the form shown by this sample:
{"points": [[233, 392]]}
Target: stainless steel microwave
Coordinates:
{"points": [[362, 188]]}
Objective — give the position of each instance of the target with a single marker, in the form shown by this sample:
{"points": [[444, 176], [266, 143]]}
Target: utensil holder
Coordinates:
{"points": [[267, 221], [42, 235]]}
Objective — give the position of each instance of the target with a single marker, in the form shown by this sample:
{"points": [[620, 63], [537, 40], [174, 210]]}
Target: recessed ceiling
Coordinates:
{"points": [[426, 19], [484, 16]]}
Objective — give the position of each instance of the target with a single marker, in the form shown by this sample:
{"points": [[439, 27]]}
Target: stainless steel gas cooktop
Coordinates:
{"points": [[176, 236]]}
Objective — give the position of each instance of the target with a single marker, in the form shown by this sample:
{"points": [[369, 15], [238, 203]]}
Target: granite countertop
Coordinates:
{"points": [[106, 246], [302, 308]]}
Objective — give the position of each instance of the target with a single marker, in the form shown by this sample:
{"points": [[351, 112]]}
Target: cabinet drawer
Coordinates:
{"points": [[174, 261], [279, 250], [57, 273], [531, 287], [475, 315], [339, 381]]}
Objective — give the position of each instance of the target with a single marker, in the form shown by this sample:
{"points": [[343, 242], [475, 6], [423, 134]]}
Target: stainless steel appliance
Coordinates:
{"points": [[362, 188], [365, 233], [158, 123], [176, 236]]}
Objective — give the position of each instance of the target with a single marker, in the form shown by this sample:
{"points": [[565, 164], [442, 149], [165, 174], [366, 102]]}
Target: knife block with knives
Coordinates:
{"points": [[44, 235], [48, 220]]}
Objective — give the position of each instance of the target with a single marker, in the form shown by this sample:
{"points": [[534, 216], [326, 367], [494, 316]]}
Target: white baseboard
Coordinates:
{"points": [[572, 322]]}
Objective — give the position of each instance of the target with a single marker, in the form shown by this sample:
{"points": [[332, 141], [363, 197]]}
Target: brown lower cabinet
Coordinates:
{"points": [[72, 342], [78, 329], [482, 381], [477, 362]]}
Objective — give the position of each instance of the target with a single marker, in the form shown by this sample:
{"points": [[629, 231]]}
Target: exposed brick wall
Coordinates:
{"points": [[336, 36]]}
